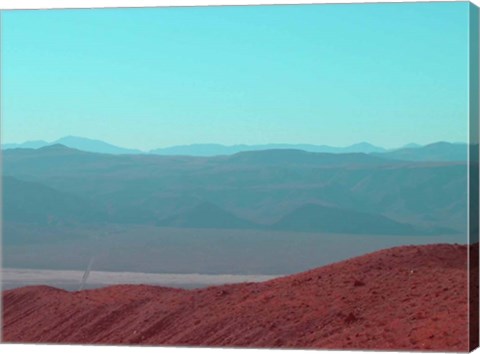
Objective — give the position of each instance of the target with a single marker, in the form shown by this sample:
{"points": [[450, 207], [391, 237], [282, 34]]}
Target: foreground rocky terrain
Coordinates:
{"points": [[409, 297]]}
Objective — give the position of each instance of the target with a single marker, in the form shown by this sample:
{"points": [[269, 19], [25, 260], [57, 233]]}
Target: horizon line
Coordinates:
{"points": [[55, 141]]}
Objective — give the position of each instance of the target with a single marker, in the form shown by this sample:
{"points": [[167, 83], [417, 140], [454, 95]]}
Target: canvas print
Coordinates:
{"points": [[284, 176]]}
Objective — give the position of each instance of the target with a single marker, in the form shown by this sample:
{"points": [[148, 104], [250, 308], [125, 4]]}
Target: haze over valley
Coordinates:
{"points": [[259, 212]]}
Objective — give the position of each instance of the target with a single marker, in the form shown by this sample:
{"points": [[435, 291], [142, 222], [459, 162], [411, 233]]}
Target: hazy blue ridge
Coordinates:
{"points": [[441, 151], [218, 149], [244, 190], [79, 143]]}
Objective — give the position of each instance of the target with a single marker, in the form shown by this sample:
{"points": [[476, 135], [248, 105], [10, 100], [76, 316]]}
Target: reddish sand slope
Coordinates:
{"points": [[412, 297]]}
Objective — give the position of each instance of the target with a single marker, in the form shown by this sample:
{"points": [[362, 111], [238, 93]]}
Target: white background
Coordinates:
{"points": [[32, 4], [77, 349]]}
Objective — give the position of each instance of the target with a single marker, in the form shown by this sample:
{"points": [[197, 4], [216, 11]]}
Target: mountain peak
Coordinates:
{"points": [[362, 143], [439, 144], [55, 147], [410, 146], [92, 145]]}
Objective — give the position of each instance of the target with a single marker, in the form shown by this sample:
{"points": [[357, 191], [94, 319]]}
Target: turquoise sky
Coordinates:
{"points": [[389, 74]]}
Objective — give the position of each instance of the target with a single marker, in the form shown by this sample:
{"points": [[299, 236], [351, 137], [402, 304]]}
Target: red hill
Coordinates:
{"points": [[412, 297]]}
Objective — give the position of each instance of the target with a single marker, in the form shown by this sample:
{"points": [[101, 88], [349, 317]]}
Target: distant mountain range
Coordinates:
{"points": [[291, 190], [217, 149], [440, 151], [99, 146], [75, 142]]}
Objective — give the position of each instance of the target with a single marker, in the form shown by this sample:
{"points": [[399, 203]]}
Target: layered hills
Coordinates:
{"points": [[75, 142], [439, 151], [254, 189], [255, 212], [32, 202]]}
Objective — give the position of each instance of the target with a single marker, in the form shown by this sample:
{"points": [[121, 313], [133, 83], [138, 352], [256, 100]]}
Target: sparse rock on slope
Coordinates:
{"points": [[411, 297]]}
